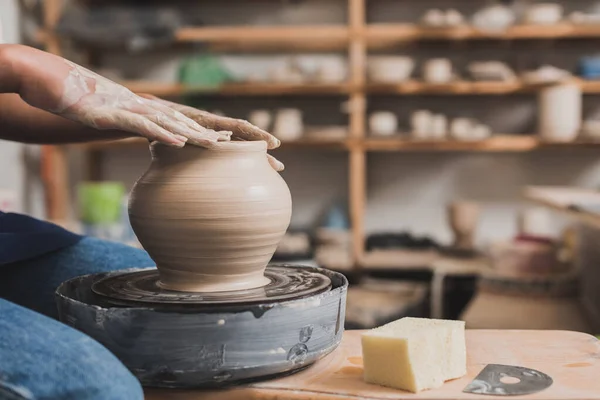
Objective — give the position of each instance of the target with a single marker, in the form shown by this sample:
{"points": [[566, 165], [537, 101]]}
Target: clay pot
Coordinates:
{"points": [[463, 217], [210, 219]]}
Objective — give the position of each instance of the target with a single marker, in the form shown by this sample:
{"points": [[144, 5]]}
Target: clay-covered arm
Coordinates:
{"points": [[57, 86]]}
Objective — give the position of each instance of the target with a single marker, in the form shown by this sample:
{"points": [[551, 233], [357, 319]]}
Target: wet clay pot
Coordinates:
{"points": [[210, 219]]}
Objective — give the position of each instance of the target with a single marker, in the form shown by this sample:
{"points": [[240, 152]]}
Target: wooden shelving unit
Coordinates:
{"points": [[355, 38]]}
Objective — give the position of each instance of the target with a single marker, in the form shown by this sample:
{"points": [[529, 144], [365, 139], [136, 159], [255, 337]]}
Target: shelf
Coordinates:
{"points": [[569, 201], [238, 89], [384, 35], [454, 88], [412, 87], [497, 143], [471, 87], [285, 38]]}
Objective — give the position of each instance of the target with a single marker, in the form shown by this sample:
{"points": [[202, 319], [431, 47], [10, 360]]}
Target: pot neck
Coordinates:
{"points": [[161, 151]]}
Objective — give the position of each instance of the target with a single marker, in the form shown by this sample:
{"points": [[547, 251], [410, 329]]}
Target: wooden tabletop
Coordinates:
{"points": [[572, 359]]}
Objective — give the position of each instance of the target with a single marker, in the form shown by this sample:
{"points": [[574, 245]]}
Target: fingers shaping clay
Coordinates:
{"points": [[210, 219], [414, 354]]}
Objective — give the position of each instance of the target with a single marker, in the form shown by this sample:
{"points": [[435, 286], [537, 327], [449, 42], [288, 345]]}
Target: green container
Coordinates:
{"points": [[203, 71], [100, 202]]}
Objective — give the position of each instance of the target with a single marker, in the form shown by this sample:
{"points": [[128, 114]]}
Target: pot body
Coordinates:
{"points": [[210, 219]]}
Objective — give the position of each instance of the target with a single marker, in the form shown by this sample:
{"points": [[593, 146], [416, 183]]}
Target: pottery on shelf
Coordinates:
{"points": [[543, 14], [491, 71], [560, 110], [437, 70], [332, 70], [434, 18], [210, 219], [494, 18], [383, 123], [463, 217], [261, 119], [421, 124], [390, 69], [288, 124]]}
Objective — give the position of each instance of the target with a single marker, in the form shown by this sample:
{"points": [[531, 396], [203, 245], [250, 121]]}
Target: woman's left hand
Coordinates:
{"points": [[240, 129]]}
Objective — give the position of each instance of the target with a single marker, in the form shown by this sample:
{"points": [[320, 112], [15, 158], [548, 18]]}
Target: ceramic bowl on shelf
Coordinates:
{"points": [[333, 70], [288, 125], [383, 123], [434, 18], [491, 71], [543, 14], [261, 119], [390, 69], [437, 70], [494, 18]]}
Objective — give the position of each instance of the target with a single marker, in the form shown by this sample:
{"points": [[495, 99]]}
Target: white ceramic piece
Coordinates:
{"points": [[288, 124], [420, 122], [453, 18], [332, 70], [390, 69], [491, 71], [434, 18], [460, 128], [439, 127], [261, 119], [559, 115], [543, 14], [494, 18], [437, 70], [591, 129], [545, 74], [383, 123]]}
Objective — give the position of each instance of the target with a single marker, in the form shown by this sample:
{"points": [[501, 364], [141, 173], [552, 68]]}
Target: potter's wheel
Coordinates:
{"points": [[131, 288], [184, 340]]}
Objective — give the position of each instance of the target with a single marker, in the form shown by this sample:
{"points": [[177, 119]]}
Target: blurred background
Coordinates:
{"points": [[443, 154]]}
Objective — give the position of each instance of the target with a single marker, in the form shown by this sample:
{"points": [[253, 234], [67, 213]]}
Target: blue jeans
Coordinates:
{"points": [[40, 358]]}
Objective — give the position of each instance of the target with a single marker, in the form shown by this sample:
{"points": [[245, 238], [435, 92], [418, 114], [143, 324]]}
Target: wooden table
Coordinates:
{"points": [[572, 359]]}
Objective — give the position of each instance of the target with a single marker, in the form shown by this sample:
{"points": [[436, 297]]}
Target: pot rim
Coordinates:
{"points": [[234, 145]]}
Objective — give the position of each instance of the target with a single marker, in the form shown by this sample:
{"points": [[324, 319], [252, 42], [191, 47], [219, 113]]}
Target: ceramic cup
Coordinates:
{"points": [[383, 123], [390, 69], [543, 14], [560, 109], [261, 119], [439, 126], [420, 123], [288, 124], [437, 70], [434, 18]]}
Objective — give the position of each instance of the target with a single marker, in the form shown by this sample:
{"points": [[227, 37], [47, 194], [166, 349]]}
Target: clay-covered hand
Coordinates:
{"points": [[64, 88], [240, 129]]}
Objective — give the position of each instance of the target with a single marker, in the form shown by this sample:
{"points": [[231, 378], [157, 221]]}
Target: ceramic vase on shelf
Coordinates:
{"points": [[288, 124], [438, 71], [261, 119], [560, 110], [463, 217], [210, 219], [383, 123]]}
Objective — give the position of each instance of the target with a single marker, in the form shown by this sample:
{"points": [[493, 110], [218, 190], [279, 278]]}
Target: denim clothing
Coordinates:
{"points": [[31, 283], [23, 237], [40, 358]]}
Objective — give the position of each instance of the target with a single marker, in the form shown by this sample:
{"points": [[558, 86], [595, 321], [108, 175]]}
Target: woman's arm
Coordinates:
{"points": [[49, 100], [21, 122]]}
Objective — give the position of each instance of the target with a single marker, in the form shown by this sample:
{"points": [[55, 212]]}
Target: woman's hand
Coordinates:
{"points": [[61, 87], [239, 128]]}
